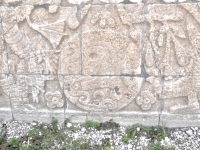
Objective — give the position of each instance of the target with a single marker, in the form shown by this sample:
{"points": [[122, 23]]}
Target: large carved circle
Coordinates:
{"points": [[101, 53]]}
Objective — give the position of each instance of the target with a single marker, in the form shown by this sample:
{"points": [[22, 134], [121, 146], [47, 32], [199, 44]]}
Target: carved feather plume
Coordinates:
{"points": [[53, 31]]}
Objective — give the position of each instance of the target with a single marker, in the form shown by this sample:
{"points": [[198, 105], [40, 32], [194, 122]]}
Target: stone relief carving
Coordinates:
{"points": [[151, 92], [69, 62], [19, 87], [110, 55], [54, 99], [146, 100], [101, 93], [38, 53], [34, 38], [173, 51], [185, 86]]}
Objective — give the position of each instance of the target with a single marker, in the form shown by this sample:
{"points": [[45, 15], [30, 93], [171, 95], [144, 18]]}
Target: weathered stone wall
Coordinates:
{"points": [[81, 59]]}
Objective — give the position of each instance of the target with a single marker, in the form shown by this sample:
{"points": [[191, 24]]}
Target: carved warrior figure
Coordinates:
{"points": [[186, 58], [166, 55], [32, 56], [29, 57]]}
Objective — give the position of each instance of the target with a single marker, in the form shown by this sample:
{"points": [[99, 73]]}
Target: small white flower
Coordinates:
{"points": [[69, 125]]}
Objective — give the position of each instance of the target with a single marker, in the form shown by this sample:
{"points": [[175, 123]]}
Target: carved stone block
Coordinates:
{"points": [[5, 103], [35, 38], [33, 93], [89, 59], [107, 46], [171, 43], [3, 52], [101, 93]]}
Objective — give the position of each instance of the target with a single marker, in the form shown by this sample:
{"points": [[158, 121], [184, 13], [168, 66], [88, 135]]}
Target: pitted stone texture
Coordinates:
{"points": [[69, 60], [103, 17], [36, 37], [102, 93], [181, 95], [179, 120], [5, 103], [3, 51], [171, 43], [123, 117], [107, 46], [4, 91], [172, 51], [110, 53], [36, 97], [134, 58], [30, 93]]}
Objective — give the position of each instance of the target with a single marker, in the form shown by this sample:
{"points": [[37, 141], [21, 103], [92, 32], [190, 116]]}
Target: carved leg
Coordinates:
{"points": [[35, 93]]}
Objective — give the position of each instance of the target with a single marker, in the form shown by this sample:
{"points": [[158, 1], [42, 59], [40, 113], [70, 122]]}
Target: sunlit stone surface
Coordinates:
{"points": [[101, 59]]}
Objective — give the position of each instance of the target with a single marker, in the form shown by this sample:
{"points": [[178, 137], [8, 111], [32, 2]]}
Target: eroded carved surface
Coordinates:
{"points": [[101, 93], [110, 53], [108, 57], [32, 92], [172, 50], [108, 46], [34, 35], [172, 41]]}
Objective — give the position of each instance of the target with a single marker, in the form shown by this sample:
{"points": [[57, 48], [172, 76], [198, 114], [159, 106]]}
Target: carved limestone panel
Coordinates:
{"points": [[101, 93], [3, 52], [181, 95], [107, 46], [33, 92], [89, 56], [35, 37], [171, 43], [172, 51], [107, 52], [4, 97], [69, 60]]}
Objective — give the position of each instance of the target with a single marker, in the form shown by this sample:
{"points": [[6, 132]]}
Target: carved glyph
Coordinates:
{"points": [[146, 100]]}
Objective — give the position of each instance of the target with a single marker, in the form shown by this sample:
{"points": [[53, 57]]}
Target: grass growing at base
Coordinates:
{"points": [[91, 124], [46, 136], [158, 133]]}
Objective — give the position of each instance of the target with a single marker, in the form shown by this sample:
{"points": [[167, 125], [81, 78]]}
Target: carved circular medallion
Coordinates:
{"points": [[102, 53]]}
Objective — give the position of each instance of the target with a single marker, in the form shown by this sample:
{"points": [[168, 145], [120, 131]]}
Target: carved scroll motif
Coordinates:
{"points": [[102, 93]]}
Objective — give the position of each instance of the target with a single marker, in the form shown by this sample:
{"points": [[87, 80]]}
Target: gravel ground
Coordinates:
{"points": [[179, 138]]}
